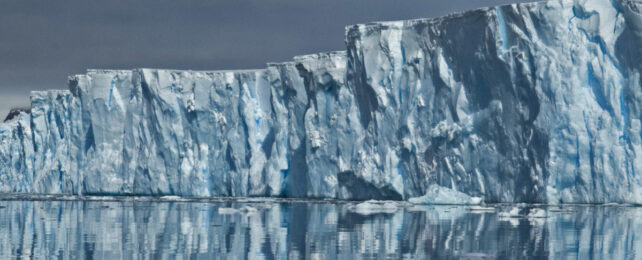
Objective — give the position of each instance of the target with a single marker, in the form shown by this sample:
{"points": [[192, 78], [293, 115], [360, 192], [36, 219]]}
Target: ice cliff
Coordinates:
{"points": [[537, 102]]}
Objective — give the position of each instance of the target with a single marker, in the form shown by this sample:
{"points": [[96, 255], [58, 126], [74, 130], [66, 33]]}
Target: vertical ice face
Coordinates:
{"points": [[16, 154], [531, 102], [209, 134], [585, 88], [149, 132], [330, 128], [321, 123], [162, 132], [111, 105], [55, 124], [432, 98], [292, 103], [535, 102]]}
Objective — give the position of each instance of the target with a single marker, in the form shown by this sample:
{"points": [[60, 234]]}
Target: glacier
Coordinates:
{"points": [[535, 102]]}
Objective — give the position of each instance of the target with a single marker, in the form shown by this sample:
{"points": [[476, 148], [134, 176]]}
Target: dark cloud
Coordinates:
{"points": [[42, 41]]}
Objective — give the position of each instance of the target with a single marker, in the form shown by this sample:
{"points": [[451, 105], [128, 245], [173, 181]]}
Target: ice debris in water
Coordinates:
{"points": [[517, 212], [537, 213], [376, 207], [246, 210], [441, 195], [512, 213]]}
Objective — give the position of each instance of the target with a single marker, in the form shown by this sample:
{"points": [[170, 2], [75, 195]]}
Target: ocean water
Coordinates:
{"points": [[168, 228]]}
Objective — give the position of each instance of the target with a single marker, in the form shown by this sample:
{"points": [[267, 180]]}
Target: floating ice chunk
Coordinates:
{"points": [[537, 213], [376, 207], [512, 213], [171, 198], [246, 210], [441, 195], [517, 212], [562, 210], [227, 211]]}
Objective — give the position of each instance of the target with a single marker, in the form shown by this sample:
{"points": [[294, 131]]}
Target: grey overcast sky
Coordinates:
{"points": [[43, 41]]}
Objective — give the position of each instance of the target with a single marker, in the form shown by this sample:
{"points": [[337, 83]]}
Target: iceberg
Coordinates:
{"points": [[534, 103]]}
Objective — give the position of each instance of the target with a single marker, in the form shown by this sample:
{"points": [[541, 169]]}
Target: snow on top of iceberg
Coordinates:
{"points": [[483, 10], [49, 93], [199, 71], [322, 55]]}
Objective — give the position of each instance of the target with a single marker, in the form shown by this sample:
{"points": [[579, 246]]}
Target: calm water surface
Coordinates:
{"points": [[255, 229]]}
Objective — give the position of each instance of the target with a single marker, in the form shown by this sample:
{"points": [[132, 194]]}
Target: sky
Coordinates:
{"points": [[42, 42]]}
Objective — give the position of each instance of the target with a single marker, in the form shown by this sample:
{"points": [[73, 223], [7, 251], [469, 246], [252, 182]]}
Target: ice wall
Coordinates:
{"points": [[535, 102], [16, 155], [523, 103], [161, 132]]}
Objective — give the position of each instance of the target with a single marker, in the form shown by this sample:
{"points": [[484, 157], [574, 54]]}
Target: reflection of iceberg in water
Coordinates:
{"points": [[270, 230]]}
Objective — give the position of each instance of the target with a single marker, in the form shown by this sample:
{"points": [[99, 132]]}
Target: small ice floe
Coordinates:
{"points": [[530, 213], [227, 211], [477, 256], [614, 204], [537, 213], [375, 207], [171, 198], [68, 197], [513, 213], [439, 195], [100, 198], [249, 210], [512, 216], [480, 209], [418, 208], [246, 210]]}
